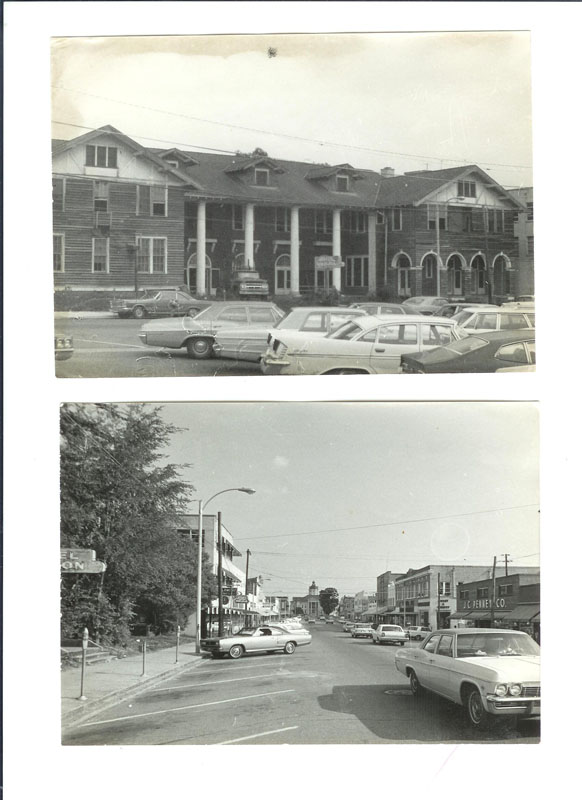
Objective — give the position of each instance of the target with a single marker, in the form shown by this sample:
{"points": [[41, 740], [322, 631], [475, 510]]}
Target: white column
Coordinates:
{"points": [[295, 250], [372, 252], [249, 235], [201, 249], [337, 248]]}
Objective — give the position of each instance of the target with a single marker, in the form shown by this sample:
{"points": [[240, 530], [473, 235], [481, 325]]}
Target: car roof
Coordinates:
{"points": [[371, 320], [479, 630], [342, 309]]}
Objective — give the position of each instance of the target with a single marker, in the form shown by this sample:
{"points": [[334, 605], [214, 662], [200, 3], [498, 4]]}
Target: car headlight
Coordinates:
{"points": [[515, 689], [501, 690]]}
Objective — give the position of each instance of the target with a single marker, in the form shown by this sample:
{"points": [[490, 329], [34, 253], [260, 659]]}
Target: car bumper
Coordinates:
{"points": [[272, 366], [529, 707]]}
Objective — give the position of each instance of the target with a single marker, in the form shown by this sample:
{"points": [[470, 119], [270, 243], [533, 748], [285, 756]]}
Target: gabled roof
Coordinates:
{"points": [[419, 187], [249, 162], [178, 155], [138, 150], [327, 171]]}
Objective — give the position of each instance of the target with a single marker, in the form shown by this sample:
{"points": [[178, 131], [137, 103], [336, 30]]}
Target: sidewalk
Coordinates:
{"points": [[85, 315], [107, 683]]}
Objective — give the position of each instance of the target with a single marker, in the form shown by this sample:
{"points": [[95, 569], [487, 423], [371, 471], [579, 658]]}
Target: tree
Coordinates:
{"points": [[121, 498], [328, 599]]}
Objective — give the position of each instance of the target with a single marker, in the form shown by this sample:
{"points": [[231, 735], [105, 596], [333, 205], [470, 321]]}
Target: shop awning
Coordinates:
{"points": [[524, 612], [459, 614], [487, 615]]}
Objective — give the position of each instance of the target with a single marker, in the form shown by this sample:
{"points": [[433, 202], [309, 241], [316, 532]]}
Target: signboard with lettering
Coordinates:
{"points": [[484, 604], [328, 262], [74, 560]]}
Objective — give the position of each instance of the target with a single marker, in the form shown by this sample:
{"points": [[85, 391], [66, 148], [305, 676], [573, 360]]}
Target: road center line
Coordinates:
{"points": [[229, 680], [257, 735], [182, 708]]}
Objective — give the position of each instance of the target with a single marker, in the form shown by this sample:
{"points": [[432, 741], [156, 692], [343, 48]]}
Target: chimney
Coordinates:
{"points": [[387, 172]]}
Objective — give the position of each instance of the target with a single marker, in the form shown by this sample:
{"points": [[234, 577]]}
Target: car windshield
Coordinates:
{"points": [[494, 644], [466, 345], [247, 632]]}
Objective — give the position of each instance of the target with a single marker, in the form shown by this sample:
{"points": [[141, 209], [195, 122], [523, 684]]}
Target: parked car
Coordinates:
{"points": [[264, 639], [450, 309], [380, 308], [390, 634], [422, 304], [249, 343], [362, 632], [311, 621], [63, 347], [493, 673], [294, 627], [197, 335], [368, 344], [417, 632], [348, 626], [329, 621], [477, 320], [158, 303], [482, 353]]}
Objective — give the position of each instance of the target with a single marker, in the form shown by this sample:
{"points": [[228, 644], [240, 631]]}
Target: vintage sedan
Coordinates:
{"points": [[197, 335], [484, 320], [492, 673], [362, 632], [455, 308], [483, 353], [417, 632], [158, 303], [390, 634], [294, 627], [263, 639], [422, 304], [366, 345], [249, 343]]}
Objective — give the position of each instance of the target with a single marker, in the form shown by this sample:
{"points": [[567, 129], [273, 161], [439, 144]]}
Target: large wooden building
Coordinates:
{"points": [[128, 217]]}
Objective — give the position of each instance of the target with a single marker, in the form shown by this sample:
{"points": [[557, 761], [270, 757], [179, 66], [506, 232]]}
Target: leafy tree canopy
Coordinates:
{"points": [[328, 599], [121, 498]]}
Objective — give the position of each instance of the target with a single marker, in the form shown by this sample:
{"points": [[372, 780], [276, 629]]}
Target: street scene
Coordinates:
{"points": [[358, 580], [210, 246]]}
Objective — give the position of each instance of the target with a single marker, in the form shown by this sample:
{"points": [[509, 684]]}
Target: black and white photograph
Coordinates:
{"points": [[300, 204], [357, 580]]}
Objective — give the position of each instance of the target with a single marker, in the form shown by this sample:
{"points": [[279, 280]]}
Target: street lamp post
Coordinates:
{"points": [[201, 506]]}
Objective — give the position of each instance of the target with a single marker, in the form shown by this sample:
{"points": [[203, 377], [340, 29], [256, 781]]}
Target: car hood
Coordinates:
{"points": [[508, 669]]}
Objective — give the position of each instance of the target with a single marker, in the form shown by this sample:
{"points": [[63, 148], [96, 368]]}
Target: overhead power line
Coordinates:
{"points": [[278, 134]]}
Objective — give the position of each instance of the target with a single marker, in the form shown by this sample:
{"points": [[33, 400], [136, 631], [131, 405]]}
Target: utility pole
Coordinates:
{"points": [[493, 593], [505, 555], [438, 617], [247, 591], [219, 574]]}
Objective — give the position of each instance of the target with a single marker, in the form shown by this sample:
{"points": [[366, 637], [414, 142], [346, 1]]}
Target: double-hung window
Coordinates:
{"points": [[466, 189], [100, 196], [237, 218], [396, 219], [356, 271], [282, 220], [159, 201], [100, 259], [323, 223], [152, 254]]}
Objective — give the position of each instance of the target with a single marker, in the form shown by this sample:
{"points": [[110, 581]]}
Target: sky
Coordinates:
{"points": [[346, 491], [404, 100]]}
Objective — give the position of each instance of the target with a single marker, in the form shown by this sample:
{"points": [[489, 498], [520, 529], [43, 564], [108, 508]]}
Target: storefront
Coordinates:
{"points": [[526, 617]]}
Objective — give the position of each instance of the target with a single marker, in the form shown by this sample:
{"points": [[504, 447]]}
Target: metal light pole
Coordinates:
{"points": [[201, 506]]}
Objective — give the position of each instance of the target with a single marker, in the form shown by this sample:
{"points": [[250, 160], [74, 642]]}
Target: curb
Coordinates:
{"points": [[92, 707], [85, 315]]}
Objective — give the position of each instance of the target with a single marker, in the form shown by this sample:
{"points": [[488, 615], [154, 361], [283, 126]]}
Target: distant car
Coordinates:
{"points": [[380, 308], [366, 345], [329, 621], [389, 634], [362, 632], [265, 638], [248, 343], [348, 626], [197, 335], [476, 320], [492, 673], [417, 632], [481, 353], [454, 308], [63, 347], [158, 303], [422, 304], [311, 621], [294, 627]]}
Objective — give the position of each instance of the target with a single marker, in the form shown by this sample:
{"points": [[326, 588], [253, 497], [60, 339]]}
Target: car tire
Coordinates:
{"points": [[139, 312], [199, 348], [289, 648], [415, 686], [236, 651], [192, 312], [477, 715], [402, 644]]}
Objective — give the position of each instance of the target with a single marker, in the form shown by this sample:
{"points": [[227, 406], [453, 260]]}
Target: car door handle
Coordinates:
{"points": [[380, 349]]}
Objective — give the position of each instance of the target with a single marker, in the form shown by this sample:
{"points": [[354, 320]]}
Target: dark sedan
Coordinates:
{"points": [[480, 353]]}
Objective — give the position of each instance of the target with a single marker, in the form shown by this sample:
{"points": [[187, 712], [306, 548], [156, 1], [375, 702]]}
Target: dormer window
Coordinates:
{"points": [[99, 156], [261, 176], [173, 164], [342, 183]]}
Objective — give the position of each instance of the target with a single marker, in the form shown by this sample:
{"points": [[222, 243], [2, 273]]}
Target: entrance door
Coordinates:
{"points": [[322, 279]]}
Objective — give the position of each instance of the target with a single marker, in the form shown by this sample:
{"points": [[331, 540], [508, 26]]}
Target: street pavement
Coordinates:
{"points": [[338, 690], [108, 347]]}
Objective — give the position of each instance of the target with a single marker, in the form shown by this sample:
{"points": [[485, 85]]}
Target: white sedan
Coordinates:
{"points": [[368, 345], [390, 634], [249, 344], [491, 672]]}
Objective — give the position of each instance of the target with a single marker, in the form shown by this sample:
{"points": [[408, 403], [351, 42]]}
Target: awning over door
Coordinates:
{"points": [[524, 612], [479, 615]]}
